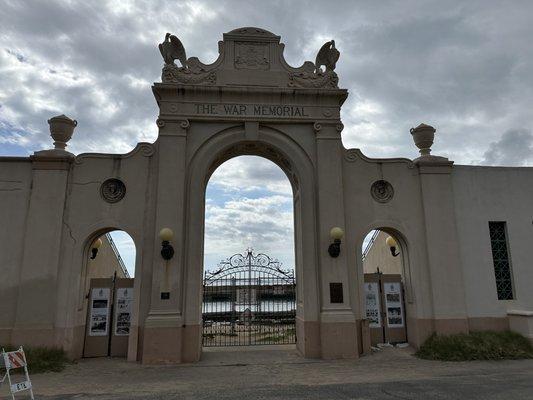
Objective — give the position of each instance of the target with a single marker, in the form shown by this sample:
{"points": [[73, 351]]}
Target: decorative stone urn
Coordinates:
{"points": [[61, 129], [423, 136]]}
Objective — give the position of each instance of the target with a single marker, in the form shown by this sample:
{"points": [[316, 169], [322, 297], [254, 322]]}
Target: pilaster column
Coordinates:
{"points": [[37, 296], [442, 241], [164, 324], [41, 255], [338, 328]]}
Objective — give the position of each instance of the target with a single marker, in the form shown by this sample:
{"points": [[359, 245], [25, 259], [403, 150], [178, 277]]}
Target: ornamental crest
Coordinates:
{"points": [[255, 57], [195, 73], [113, 190], [250, 55], [309, 79], [173, 74], [382, 191]]}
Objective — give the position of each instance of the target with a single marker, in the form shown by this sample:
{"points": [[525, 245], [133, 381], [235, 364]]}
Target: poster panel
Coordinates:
{"points": [[99, 320], [372, 304], [123, 307], [393, 302]]}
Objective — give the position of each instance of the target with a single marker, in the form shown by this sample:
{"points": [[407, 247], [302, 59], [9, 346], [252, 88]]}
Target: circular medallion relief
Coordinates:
{"points": [[382, 191], [113, 190]]}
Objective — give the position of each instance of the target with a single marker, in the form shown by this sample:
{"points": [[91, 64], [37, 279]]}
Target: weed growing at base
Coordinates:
{"points": [[476, 346], [42, 359]]}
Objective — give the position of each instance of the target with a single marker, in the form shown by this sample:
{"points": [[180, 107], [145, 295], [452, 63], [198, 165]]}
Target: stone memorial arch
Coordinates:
{"points": [[248, 102]]}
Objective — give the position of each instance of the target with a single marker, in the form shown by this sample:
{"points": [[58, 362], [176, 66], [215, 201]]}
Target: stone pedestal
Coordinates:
{"points": [[162, 339], [521, 321]]}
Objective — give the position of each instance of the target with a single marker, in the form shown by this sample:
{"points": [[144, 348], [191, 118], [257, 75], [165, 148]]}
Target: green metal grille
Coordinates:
{"points": [[500, 258]]}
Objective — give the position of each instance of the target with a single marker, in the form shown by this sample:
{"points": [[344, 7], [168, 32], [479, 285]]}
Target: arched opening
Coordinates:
{"points": [[281, 149], [249, 286], [107, 287], [385, 286]]}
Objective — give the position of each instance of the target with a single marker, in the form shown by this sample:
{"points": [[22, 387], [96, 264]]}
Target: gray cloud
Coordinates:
{"points": [[466, 68], [515, 147], [249, 204], [261, 223], [249, 173], [459, 69]]}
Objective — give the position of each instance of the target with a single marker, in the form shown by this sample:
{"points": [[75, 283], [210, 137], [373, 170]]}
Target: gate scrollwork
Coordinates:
{"points": [[249, 300]]}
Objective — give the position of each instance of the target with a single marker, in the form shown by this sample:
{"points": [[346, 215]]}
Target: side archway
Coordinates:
{"points": [[385, 255], [97, 256]]}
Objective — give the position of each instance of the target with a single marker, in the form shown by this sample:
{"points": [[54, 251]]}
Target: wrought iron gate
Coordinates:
{"points": [[249, 300]]}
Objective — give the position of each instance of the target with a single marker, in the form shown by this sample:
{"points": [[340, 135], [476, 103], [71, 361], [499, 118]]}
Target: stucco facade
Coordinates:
{"points": [[107, 262], [53, 207], [378, 256]]}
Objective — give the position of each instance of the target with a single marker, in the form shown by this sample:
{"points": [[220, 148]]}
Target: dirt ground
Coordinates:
{"points": [[279, 373]]}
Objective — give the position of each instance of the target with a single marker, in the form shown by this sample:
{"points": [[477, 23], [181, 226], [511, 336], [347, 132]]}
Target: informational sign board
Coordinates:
{"points": [[99, 317], [124, 301], [393, 302], [372, 304], [110, 317], [20, 386]]}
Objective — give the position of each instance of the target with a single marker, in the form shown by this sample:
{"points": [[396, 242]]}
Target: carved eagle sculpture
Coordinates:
{"points": [[327, 56], [172, 49]]}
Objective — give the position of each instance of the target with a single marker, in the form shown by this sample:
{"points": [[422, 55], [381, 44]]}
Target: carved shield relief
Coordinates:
{"points": [[251, 55], [382, 191], [113, 190]]}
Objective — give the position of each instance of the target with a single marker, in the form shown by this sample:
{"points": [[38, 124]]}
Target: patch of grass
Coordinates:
{"points": [[233, 334], [42, 359], [279, 337], [486, 345]]}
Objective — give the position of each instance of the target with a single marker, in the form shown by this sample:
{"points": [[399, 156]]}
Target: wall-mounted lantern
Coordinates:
{"points": [[167, 251], [336, 235], [94, 248], [392, 246]]}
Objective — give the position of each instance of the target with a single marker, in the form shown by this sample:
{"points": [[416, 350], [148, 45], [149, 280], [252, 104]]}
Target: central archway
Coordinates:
{"points": [[249, 285], [278, 147]]}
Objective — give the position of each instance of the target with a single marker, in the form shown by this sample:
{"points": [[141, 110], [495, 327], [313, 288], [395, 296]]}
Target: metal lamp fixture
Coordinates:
{"points": [[167, 251], [392, 246], [94, 248], [336, 235]]}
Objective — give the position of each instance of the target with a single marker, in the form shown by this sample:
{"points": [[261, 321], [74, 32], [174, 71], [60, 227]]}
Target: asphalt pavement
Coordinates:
{"points": [[279, 373]]}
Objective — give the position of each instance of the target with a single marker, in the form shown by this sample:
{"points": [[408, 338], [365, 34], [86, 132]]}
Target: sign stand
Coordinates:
{"points": [[13, 360]]}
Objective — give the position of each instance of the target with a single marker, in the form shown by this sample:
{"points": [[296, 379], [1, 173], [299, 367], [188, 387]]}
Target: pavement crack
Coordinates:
{"points": [[394, 395]]}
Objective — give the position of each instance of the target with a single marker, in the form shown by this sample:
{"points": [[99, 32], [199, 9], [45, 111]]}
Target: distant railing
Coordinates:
{"points": [[117, 254], [370, 243]]}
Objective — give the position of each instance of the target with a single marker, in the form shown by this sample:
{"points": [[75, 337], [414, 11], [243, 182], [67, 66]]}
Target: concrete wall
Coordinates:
{"points": [[484, 194], [478, 195], [88, 216], [15, 188], [402, 217], [52, 212]]}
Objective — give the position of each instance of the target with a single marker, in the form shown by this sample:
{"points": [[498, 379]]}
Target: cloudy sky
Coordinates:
{"points": [[464, 67]]}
